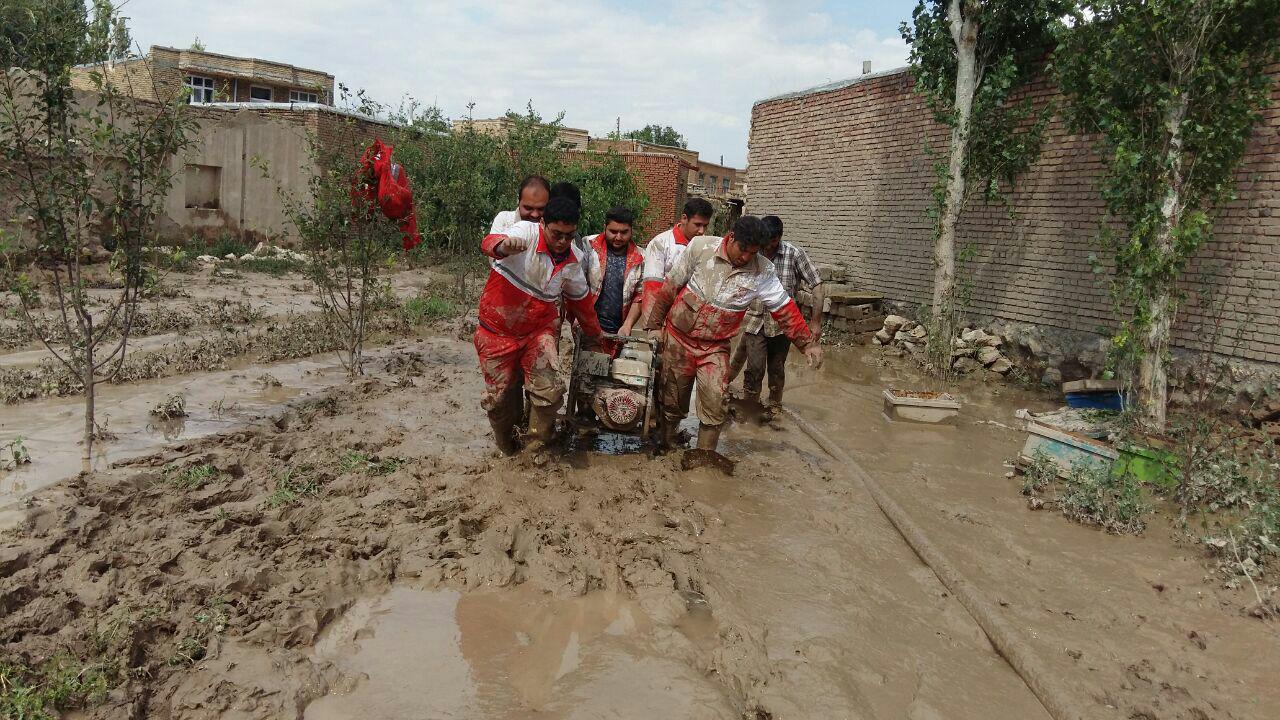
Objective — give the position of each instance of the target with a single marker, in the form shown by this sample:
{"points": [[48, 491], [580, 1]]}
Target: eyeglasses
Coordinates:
{"points": [[560, 236]]}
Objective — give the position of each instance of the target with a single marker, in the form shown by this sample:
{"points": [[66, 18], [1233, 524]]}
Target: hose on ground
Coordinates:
{"points": [[1042, 683]]}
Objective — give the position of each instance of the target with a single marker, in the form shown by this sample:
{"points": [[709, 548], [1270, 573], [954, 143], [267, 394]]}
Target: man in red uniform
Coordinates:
{"points": [[534, 265], [699, 309]]}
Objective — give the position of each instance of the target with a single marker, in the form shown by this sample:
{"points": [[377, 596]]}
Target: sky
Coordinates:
{"points": [[696, 65]]}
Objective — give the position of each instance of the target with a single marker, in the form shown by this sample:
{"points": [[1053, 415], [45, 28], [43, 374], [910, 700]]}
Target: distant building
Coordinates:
{"points": [[626, 145], [717, 180], [212, 78], [570, 138]]}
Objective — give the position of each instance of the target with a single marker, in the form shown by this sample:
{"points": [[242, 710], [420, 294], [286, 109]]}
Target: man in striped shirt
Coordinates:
{"points": [[535, 266], [763, 346]]}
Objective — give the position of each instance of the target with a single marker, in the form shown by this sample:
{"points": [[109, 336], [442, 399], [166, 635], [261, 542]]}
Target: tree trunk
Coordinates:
{"points": [[964, 31], [89, 422], [1152, 374]]}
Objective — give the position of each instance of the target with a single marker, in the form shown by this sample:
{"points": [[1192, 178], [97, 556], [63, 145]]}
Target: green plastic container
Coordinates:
{"points": [[1153, 466]]}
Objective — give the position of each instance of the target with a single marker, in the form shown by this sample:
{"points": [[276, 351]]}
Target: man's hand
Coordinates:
{"points": [[655, 336], [513, 245], [814, 354], [625, 330], [816, 329]]}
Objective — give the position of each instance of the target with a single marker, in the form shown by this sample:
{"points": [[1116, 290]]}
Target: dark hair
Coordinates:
{"points": [[620, 214], [561, 209], [772, 226], [698, 207], [537, 180], [567, 190], [749, 232]]}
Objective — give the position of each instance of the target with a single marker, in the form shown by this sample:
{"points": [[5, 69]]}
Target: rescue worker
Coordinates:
{"points": [[698, 310], [666, 247], [763, 346], [531, 200], [534, 266], [615, 267]]}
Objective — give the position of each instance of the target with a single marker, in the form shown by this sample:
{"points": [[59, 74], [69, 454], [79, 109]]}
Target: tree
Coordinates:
{"points": [[968, 58], [658, 135], [1173, 89], [604, 184], [83, 170], [196, 45], [349, 241], [22, 32]]}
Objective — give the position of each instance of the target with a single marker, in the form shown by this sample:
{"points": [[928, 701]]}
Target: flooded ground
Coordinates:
{"points": [[506, 654], [366, 553]]}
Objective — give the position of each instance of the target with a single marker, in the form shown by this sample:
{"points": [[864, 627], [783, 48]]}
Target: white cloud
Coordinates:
{"points": [[696, 65]]}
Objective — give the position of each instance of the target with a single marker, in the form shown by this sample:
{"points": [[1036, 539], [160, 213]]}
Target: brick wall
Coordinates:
{"points": [[663, 178], [845, 167]]}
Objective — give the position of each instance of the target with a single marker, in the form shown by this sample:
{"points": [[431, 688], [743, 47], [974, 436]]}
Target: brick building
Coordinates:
{"points": [[570, 138], [663, 177], [210, 77], [716, 180], [845, 167]]}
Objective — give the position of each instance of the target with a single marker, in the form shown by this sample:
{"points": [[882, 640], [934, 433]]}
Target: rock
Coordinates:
{"points": [[964, 352], [894, 323], [206, 260], [966, 365], [875, 340], [1001, 366], [959, 344], [1052, 377], [918, 332], [973, 337], [230, 256], [247, 256], [884, 336], [901, 337], [913, 348], [263, 249], [988, 355]]}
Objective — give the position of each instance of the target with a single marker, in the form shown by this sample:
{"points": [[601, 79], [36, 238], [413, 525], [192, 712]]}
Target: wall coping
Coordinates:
{"points": [[838, 85]]}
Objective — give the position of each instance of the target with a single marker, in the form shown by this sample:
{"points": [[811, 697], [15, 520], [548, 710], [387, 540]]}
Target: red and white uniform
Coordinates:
{"points": [[660, 256], [503, 221], [518, 312], [700, 308], [597, 260]]}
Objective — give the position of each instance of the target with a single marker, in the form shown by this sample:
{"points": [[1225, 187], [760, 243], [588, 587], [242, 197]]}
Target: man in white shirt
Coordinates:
{"points": [[531, 201]]}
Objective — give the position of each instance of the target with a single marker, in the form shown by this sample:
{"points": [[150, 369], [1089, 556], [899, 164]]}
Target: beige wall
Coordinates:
{"points": [[247, 201]]}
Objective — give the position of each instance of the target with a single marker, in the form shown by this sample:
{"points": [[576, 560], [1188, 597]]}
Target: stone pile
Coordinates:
{"points": [[263, 250], [973, 351]]}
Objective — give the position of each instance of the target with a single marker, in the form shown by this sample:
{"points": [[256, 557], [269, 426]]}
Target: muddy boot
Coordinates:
{"points": [[668, 434], [705, 453], [504, 435], [542, 426]]}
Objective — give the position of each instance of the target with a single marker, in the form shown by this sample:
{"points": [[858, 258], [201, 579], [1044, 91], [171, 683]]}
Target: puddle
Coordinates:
{"points": [[215, 402], [507, 654]]}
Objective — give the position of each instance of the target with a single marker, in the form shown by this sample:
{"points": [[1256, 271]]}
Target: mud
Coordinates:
{"points": [[433, 573]]}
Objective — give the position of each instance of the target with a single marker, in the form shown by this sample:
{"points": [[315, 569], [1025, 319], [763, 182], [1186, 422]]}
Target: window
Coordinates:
{"points": [[201, 89], [259, 94], [702, 178], [302, 96], [203, 186], [725, 184], [714, 181]]}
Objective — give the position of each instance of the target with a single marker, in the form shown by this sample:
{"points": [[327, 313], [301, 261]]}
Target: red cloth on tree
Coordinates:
{"points": [[386, 184]]}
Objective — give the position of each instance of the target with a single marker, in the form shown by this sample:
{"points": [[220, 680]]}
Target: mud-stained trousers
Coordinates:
{"points": [[686, 360], [514, 364], [761, 354]]}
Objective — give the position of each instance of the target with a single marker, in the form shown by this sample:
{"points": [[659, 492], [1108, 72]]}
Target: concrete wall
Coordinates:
{"points": [[845, 167]]}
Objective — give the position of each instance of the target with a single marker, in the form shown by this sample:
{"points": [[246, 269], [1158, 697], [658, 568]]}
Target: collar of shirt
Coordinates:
{"points": [[722, 254], [679, 235], [556, 260]]}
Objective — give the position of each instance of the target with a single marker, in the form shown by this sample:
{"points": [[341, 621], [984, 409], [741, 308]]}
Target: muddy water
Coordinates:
{"points": [[510, 653], [1111, 614], [215, 402]]}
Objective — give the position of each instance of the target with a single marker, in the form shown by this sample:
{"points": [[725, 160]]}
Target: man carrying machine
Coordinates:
{"points": [[763, 346], [614, 270], [534, 266], [696, 312]]}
